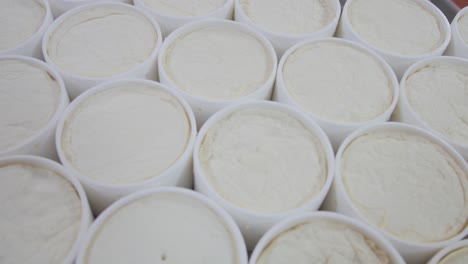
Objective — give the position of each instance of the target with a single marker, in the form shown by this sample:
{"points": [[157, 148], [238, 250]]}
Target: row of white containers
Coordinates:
{"points": [[452, 44], [252, 225]]}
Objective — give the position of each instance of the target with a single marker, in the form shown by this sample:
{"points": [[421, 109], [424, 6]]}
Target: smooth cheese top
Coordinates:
{"points": [[184, 8], [263, 160], [296, 16], [126, 134], [218, 62], [29, 98], [19, 20], [438, 93], [41, 215], [399, 26], [337, 82], [406, 185], [322, 241], [459, 256], [463, 27], [163, 228], [102, 41]]}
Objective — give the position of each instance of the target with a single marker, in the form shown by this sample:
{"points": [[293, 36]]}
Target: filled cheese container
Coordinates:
{"points": [[323, 237], [166, 225], [401, 31], [434, 96], [217, 63], [23, 23], [342, 85], [286, 23], [96, 43], [32, 99], [172, 14], [233, 132], [125, 136], [405, 182], [259, 169], [45, 212]]}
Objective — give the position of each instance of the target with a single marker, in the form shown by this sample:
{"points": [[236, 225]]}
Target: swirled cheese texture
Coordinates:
{"points": [[19, 20], [322, 241], [290, 17], [102, 41], [126, 134], [398, 26], [29, 97], [163, 228], [41, 215], [218, 62], [406, 185], [459, 256], [338, 82], [263, 160], [184, 8], [438, 94]]}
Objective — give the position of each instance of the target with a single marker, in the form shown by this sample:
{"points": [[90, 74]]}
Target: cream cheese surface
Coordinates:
{"points": [[438, 93], [102, 41], [126, 134], [41, 215], [218, 62], [399, 26], [162, 228], [406, 185], [19, 20], [29, 98], [321, 241], [289, 17], [263, 160], [337, 82]]}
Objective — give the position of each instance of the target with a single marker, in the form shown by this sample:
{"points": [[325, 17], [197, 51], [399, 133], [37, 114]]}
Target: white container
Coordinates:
{"points": [[169, 249], [32, 47], [336, 131], [76, 84], [42, 143], [399, 62], [299, 219], [338, 199], [61, 6], [282, 41], [86, 215], [205, 107], [254, 224], [457, 46], [405, 112], [437, 258], [102, 193], [170, 22]]}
